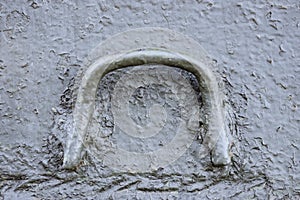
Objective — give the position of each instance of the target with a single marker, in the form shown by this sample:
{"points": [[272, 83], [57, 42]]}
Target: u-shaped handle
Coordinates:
{"points": [[216, 137]]}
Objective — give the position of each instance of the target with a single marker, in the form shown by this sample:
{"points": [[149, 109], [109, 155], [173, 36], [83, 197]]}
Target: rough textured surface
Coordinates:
{"points": [[255, 45], [160, 125]]}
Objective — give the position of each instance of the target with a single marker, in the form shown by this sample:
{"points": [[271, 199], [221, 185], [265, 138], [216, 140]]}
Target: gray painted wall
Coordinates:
{"points": [[255, 46]]}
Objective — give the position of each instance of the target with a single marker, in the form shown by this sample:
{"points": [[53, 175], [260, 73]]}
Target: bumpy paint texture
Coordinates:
{"points": [[255, 48]]}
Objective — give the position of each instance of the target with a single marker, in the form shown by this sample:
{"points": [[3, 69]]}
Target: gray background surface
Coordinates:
{"points": [[255, 45]]}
